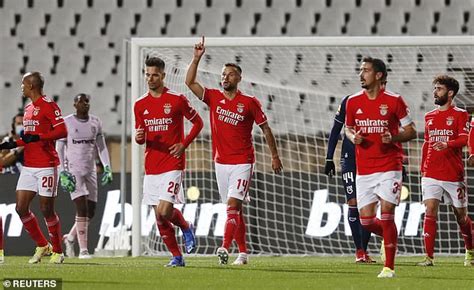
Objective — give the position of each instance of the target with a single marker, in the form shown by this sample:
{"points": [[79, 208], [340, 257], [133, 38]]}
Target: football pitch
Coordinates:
{"points": [[203, 272]]}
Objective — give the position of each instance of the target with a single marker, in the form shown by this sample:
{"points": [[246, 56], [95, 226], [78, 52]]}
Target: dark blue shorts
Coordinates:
{"points": [[349, 179]]}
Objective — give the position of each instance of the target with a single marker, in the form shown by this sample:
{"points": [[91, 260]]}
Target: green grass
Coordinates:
{"points": [[261, 273]]}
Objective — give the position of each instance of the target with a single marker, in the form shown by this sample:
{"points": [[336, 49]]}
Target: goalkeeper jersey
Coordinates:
{"points": [[81, 143]]}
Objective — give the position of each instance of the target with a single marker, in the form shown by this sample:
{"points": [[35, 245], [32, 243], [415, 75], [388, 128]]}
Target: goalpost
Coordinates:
{"points": [[300, 82]]}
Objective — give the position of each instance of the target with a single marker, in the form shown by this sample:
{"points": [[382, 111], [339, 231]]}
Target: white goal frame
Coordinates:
{"points": [[138, 43]]}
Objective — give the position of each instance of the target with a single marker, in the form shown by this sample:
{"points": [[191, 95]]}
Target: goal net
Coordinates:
{"points": [[300, 83]]}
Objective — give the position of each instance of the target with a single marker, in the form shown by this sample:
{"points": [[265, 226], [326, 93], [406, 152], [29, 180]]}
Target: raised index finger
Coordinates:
{"points": [[202, 40]]}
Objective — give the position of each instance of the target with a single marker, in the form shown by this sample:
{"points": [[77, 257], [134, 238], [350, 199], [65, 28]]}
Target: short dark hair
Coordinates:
{"points": [[234, 65], [378, 65], [451, 83], [155, 61], [36, 79], [80, 95]]}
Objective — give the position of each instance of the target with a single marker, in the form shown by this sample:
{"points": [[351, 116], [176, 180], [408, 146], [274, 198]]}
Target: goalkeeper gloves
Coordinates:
{"points": [[107, 175], [67, 181], [28, 138], [8, 145], [329, 168]]}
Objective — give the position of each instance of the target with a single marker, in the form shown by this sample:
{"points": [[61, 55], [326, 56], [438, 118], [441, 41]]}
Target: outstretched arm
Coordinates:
{"points": [[276, 162], [190, 81]]}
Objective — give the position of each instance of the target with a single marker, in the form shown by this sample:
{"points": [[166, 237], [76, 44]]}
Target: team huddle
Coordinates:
{"points": [[376, 123]]}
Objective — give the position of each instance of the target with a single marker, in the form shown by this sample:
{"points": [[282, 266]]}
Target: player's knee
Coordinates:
{"points": [[47, 210], [21, 210]]}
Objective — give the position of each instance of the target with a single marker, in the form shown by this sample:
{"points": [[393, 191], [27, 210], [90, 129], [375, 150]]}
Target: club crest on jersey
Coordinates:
{"points": [[167, 108], [36, 111], [383, 109], [240, 107], [449, 120]]}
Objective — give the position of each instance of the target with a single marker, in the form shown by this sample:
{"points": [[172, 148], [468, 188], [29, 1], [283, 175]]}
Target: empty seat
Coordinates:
{"points": [[101, 63], [90, 23], [421, 21], [107, 6], [47, 6], [151, 22], [373, 5], [226, 5], [302, 22], [313, 5], [331, 23], [271, 22], [37, 47], [61, 22], [77, 6], [450, 21], [197, 5], [211, 21], [343, 5], [285, 5], [7, 22], [432, 4], [15, 5], [360, 22], [11, 61], [31, 20], [253, 5], [391, 22], [136, 6], [241, 23], [181, 22], [120, 25]]}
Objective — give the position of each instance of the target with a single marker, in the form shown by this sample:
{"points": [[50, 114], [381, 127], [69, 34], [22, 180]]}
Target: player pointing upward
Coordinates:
{"points": [[232, 115]]}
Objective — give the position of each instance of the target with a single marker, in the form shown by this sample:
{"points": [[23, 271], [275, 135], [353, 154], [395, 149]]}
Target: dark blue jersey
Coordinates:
{"points": [[347, 151]]}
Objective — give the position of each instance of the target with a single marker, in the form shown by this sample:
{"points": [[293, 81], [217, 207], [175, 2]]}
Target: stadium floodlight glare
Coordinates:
{"points": [[300, 82]]}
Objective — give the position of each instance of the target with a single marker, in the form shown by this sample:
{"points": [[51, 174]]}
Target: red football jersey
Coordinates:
{"points": [[231, 126], [444, 126], [162, 119], [471, 138], [372, 118], [41, 117]]}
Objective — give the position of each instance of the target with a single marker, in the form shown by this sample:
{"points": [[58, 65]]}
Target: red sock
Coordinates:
{"points": [[372, 224], [429, 234], [390, 237], [1, 233], [54, 229], [178, 219], [231, 226], [169, 236], [240, 234], [32, 228], [466, 231]]}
